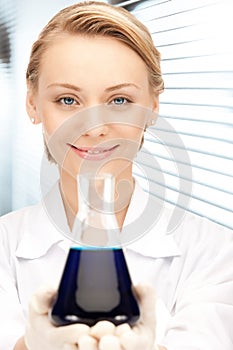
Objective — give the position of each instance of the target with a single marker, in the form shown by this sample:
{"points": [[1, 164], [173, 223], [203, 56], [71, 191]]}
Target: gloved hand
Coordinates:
{"points": [[141, 336], [41, 334]]}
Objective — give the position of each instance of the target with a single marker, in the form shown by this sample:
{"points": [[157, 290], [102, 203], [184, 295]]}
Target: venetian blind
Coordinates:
{"points": [[7, 25], [194, 38]]}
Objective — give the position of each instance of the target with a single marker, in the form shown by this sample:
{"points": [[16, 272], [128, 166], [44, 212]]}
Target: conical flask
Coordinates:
{"points": [[96, 283]]}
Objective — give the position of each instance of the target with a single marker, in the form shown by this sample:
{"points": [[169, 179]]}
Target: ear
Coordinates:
{"points": [[155, 105], [154, 111], [31, 106]]}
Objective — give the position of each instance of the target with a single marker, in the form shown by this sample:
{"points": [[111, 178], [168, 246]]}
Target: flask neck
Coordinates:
{"points": [[96, 224], [96, 193]]}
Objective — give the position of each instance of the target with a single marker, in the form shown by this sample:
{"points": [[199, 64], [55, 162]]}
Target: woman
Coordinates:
{"points": [[92, 57]]}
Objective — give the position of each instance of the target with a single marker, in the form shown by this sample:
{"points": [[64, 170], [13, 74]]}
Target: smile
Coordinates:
{"points": [[94, 153]]}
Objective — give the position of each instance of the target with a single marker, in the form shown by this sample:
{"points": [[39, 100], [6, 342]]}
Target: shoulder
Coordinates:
{"points": [[20, 216], [14, 224], [196, 230], [206, 247]]}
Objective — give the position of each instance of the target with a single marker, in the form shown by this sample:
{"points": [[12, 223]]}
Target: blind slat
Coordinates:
{"points": [[211, 134], [202, 165], [198, 176], [204, 99], [204, 114], [208, 150], [209, 197], [211, 211]]}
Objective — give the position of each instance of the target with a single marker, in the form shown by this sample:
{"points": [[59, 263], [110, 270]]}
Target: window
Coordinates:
{"points": [[197, 105]]}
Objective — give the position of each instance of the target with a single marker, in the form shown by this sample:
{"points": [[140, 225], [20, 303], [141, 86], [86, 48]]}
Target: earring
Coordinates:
{"points": [[33, 120], [150, 123]]}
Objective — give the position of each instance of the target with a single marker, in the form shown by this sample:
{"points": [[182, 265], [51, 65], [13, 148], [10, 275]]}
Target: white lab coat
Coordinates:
{"points": [[191, 270]]}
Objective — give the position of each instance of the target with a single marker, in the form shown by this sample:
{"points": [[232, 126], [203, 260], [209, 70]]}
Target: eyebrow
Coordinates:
{"points": [[109, 89], [121, 86], [65, 85]]}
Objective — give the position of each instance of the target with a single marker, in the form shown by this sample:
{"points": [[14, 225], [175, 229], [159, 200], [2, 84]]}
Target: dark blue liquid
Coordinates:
{"points": [[95, 286]]}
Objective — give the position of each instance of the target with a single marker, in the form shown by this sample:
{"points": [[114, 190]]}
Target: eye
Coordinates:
{"points": [[120, 101], [68, 101]]}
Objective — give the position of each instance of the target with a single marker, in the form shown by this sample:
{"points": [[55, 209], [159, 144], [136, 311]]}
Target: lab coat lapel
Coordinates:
{"points": [[45, 227], [156, 242], [50, 227]]}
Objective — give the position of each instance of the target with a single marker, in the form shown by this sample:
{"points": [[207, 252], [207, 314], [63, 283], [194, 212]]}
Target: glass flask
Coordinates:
{"points": [[96, 283]]}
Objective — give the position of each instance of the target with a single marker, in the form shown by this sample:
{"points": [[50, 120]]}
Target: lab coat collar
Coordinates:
{"points": [[47, 226], [155, 242]]}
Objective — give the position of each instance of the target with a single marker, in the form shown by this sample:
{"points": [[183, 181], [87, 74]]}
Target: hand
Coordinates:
{"points": [[123, 337], [41, 334]]}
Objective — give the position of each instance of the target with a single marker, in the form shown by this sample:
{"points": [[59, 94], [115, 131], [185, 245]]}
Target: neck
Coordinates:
{"points": [[123, 193]]}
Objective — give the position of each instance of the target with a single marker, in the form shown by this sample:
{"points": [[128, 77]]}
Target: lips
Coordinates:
{"points": [[94, 153]]}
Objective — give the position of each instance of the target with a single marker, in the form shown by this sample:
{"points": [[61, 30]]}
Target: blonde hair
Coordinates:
{"points": [[98, 18]]}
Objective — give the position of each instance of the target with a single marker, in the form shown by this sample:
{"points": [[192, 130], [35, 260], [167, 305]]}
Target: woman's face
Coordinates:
{"points": [[83, 81]]}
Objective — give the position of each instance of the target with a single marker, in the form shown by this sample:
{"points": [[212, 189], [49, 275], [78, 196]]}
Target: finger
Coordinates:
{"points": [[119, 330], [146, 297], [109, 342], [132, 341], [87, 342], [68, 334], [102, 328], [42, 300], [40, 322]]}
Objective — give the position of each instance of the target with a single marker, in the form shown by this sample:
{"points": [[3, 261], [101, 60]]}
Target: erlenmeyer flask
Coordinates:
{"points": [[96, 283]]}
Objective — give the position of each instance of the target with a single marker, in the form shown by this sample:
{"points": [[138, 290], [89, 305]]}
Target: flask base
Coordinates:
{"points": [[95, 286]]}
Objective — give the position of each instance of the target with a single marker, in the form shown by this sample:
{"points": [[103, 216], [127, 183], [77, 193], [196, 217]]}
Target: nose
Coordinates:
{"points": [[98, 131]]}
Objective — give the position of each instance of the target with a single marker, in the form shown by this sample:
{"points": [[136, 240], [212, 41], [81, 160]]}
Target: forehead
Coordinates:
{"points": [[81, 56]]}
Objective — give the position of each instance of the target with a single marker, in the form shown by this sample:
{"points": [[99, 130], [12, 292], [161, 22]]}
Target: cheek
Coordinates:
{"points": [[49, 116], [132, 133], [52, 124]]}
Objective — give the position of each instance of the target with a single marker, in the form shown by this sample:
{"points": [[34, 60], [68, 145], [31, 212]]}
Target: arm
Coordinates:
{"points": [[202, 312], [13, 323]]}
